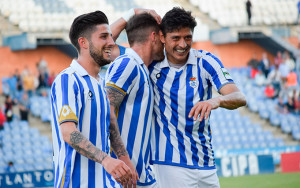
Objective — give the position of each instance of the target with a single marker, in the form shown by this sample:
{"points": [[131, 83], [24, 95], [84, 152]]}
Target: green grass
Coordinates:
{"points": [[277, 180]]}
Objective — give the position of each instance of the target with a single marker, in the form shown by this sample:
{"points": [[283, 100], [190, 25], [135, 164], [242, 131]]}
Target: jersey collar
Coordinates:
{"points": [[193, 55], [78, 68], [132, 53]]}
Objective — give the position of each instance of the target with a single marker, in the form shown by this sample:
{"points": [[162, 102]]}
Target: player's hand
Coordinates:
{"points": [[149, 11], [118, 169], [203, 108], [135, 176]]}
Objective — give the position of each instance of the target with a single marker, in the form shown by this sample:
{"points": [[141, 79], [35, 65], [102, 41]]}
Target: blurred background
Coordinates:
{"points": [[258, 41]]}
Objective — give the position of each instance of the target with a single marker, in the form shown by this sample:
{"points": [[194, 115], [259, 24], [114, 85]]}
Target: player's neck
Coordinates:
{"points": [[90, 66], [143, 51]]}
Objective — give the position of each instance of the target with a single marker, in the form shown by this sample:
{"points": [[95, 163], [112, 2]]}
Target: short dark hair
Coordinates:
{"points": [[139, 27], [84, 25], [176, 19]]}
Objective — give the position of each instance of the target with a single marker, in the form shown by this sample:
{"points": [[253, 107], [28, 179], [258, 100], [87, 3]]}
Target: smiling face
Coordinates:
{"points": [[178, 44], [101, 44]]}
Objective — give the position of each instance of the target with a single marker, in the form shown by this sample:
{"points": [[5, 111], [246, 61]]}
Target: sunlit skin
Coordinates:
{"points": [[101, 44], [178, 44], [158, 49]]}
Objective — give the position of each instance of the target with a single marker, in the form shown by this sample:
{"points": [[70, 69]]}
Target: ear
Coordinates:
{"points": [[162, 37], [152, 36], [83, 43]]}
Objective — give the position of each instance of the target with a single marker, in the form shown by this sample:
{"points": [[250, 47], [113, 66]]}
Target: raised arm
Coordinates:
{"points": [[231, 98], [118, 26], [116, 98], [82, 145]]}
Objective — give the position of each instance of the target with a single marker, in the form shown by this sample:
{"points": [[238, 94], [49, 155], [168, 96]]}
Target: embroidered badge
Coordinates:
{"points": [[66, 114], [226, 74], [193, 82]]}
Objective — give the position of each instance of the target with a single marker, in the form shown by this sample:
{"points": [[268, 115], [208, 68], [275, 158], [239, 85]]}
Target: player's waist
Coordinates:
{"points": [[184, 165]]}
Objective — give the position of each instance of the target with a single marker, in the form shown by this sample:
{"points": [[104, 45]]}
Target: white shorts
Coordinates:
{"points": [[180, 177]]}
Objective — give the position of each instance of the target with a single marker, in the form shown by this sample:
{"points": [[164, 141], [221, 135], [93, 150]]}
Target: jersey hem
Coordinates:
{"points": [[185, 166], [146, 184]]}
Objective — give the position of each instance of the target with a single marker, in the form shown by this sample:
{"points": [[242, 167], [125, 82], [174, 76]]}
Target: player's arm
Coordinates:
{"points": [[118, 26], [116, 97], [118, 169], [231, 98]]}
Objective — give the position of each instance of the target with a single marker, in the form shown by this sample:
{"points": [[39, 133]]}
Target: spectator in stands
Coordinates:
{"points": [[274, 78], [9, 103], [278, 59], [2, 119], [28, 82], [253, 64], [51, 79], [19, 83], [10, 167], [249, 12], [270, 91], [290, 63], [24, 107], [293, 101], [297, 56], [265, 64], [260, 78], [283, 99]]}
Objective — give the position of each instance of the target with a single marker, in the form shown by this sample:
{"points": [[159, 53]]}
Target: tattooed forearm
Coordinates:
{"points": [[86, 148], [115, 97], [115, 138]]}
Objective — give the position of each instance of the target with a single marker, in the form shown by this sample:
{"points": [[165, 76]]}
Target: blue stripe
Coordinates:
{"points": [[189, 121], [76, 171], [162, 106], [64, 89], [81, 88], [157, 134], [120, 70], [54, 113], [202, 123], [212, 73], [75, 88], [121, 113], [216, 59], [93, 131], [122, 49], [200, 87], [68, 163], [140, 164], [135, 116], [174, 116]]}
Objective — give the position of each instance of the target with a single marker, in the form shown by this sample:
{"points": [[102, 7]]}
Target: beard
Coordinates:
{"points": [[97, 56]]}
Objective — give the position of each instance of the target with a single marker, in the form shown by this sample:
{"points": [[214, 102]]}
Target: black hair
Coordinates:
{"points": [[176, 19], [139, 27], [84, 25]]}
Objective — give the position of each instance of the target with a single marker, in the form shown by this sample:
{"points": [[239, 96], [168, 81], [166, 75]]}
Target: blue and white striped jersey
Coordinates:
{"points": [[177, 139], [78, 97], [129, 75]]}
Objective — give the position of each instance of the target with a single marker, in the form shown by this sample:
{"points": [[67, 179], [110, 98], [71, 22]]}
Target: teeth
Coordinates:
{"points": [[107, 51], [180, 51]]}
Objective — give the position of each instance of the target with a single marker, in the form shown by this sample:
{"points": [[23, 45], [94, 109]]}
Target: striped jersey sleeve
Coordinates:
{"points": [[122, 75]]}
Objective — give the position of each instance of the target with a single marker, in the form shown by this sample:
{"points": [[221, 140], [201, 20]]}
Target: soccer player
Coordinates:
{"points": [[182, 151], [81, 115], [130, 92]]}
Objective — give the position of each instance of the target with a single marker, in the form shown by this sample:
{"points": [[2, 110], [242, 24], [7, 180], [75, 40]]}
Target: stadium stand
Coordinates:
{"points": [[233, 132]]}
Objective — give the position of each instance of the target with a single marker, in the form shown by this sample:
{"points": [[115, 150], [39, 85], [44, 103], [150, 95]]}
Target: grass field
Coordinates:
{"points": [[277, 180]]}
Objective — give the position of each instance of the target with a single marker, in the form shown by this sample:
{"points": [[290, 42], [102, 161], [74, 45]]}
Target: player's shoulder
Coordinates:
{"points": [[68, 73]]}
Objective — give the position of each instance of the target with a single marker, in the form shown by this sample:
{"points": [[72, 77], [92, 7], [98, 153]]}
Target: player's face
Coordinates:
{"points": [[101, 44], [158, 49], [178, 45]]}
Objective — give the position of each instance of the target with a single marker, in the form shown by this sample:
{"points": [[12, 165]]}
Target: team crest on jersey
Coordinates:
{"points": [[193, 82], [66, 113]]}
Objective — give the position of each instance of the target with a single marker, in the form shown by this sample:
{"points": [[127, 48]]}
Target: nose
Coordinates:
{"points": [[182, 43], [110, 41]]}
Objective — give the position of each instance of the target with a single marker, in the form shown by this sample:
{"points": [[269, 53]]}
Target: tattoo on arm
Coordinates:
{"points": [[86, 148], [115, 97], [115, 138]]}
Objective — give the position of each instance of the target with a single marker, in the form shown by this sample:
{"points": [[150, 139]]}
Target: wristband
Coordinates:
{"points": [[128, 15]]}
